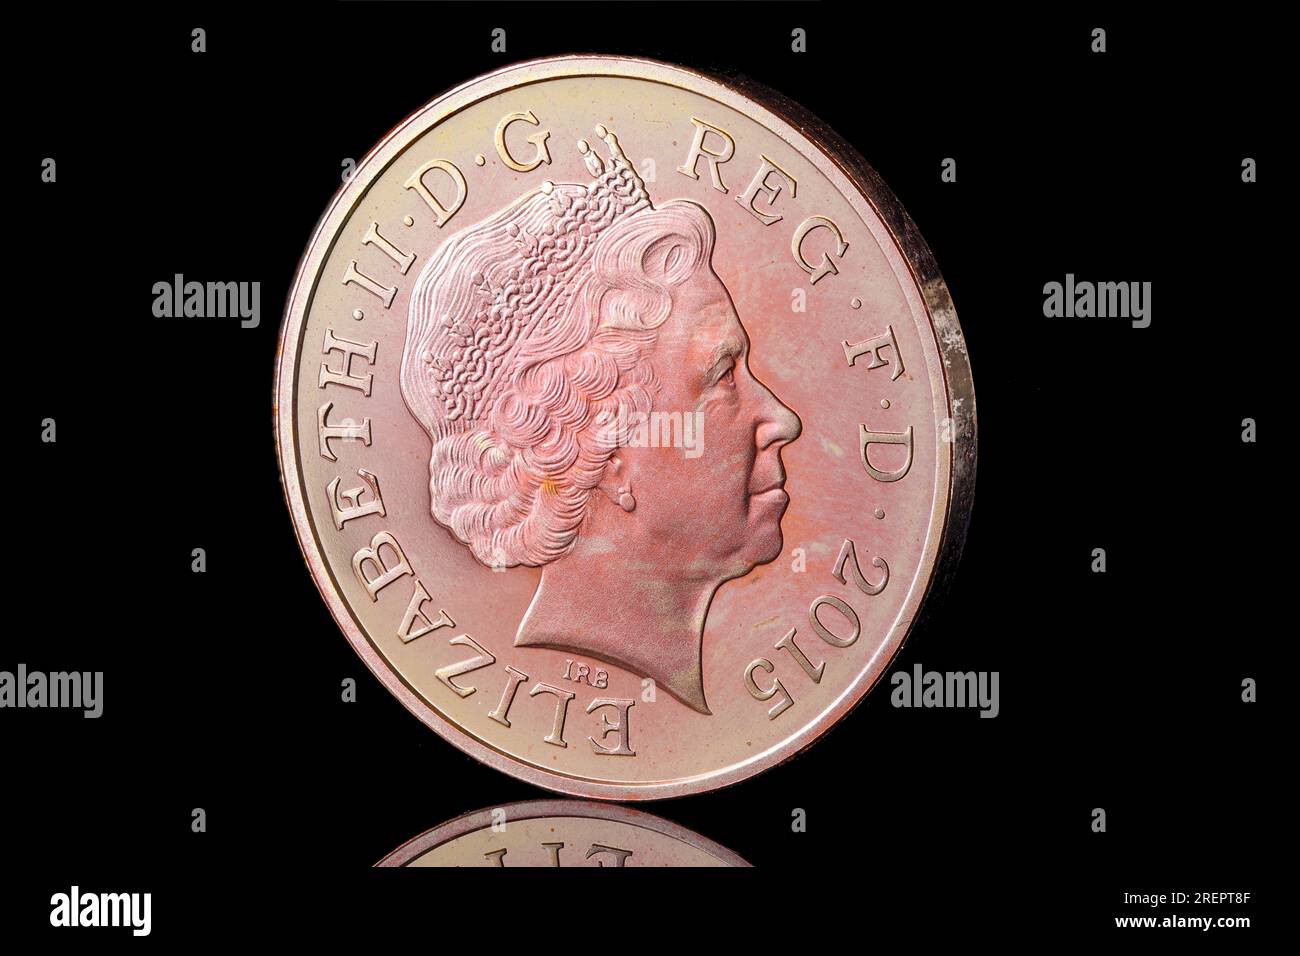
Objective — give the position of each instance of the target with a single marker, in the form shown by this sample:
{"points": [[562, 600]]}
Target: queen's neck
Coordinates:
{"points": [[620, 608]]}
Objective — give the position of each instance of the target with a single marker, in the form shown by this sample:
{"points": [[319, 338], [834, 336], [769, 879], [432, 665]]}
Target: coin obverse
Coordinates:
{"points": [[626, 423], [560, 833]]}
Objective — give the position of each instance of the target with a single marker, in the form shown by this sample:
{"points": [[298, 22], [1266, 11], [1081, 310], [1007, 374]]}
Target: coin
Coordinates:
{"points": [[626, 423], [560, 833]]}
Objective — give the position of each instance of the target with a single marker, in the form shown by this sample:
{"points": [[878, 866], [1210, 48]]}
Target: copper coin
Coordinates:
{"points": [[560, 833], [626, 423]]}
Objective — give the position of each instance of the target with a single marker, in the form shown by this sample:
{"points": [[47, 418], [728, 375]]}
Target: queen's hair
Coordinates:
{"points": [[528, 345]]}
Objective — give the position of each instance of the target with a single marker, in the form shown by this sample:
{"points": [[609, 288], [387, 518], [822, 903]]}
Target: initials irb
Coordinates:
{"points": [[515, 678]]}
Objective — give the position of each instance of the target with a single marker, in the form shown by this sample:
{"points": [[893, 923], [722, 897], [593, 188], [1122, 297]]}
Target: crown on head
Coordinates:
{"points": [[463, 362]]}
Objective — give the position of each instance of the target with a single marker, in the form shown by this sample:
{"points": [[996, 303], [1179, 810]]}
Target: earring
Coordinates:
{"points": [[625, 499]]}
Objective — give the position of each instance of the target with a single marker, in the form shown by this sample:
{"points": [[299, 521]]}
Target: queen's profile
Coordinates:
{"points": [[533, 338]]}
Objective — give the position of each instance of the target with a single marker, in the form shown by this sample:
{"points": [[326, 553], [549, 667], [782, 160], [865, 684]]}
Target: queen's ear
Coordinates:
{"points": [[613, 484]]}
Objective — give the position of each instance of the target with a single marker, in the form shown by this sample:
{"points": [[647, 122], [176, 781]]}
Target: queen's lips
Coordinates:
{"points": [[777, 484]]}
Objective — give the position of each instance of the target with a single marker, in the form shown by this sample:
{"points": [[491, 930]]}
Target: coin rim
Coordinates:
{"points": [[539, 809], [785, 119]]}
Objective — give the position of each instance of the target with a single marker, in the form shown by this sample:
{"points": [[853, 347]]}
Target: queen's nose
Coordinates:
{"points": [[778, 425]]}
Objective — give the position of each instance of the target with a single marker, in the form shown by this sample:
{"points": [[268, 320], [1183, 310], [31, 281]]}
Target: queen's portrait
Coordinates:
{"points": [[536, 339]]}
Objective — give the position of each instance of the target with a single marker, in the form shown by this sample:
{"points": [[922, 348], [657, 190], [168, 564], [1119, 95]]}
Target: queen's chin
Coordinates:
{"points": [[765, 538]]}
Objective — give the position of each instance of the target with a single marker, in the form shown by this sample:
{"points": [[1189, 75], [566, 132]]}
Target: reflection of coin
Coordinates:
{"points": [[560, 833], [625, 421]]}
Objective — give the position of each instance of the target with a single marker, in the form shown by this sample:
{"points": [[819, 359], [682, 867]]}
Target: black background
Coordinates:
{"points": [[1118, 690]]}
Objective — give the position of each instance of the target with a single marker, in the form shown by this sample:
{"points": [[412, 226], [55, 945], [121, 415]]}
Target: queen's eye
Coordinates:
{"points": [[723, 373]]}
